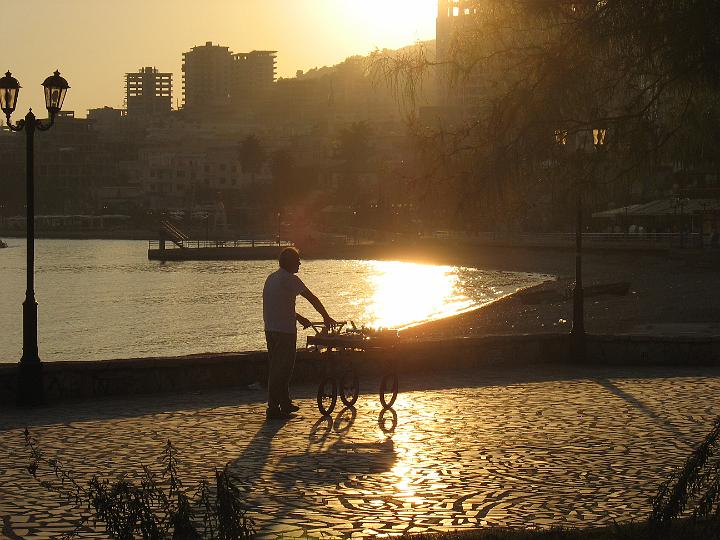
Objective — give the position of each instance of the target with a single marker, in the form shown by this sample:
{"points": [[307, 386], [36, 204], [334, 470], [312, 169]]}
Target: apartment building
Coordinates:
{"points": [[255, 74], [208, 79], [218, 82], [148, 92]]}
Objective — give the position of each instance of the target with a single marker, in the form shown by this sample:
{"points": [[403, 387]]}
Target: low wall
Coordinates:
{"points": [[82, 380], [620, 350]]}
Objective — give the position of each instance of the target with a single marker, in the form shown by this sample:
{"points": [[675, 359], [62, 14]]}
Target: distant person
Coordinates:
{"points": [[279, 293]]}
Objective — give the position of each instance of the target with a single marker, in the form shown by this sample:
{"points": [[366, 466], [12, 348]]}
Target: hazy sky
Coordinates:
{"points": [[95, 42]]}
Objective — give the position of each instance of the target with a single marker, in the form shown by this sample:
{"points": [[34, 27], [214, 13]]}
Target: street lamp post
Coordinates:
{"points": [[680, 202], [30, 387], [277, 218], [578, 326]]}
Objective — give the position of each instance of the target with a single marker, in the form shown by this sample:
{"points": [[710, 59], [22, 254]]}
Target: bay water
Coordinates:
{"points": [[102, 299]]}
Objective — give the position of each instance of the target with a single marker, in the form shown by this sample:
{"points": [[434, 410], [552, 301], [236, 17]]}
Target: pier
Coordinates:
{"points": [[175, 245]]}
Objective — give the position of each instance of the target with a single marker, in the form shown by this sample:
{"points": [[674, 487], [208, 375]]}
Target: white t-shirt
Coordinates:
{"points": [[279, 294]]}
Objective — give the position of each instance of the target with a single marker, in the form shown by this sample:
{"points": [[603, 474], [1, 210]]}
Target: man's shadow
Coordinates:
{"points": [[328, 459]]}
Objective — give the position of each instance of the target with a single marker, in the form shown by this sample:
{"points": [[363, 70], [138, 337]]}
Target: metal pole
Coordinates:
{"points": [[31, 390], [578, 328], [682, 227]]}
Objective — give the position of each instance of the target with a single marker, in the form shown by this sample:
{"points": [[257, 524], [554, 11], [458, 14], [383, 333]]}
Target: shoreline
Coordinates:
{"points": [[406, 333], [427, 328], [668, 295], [666, 318]]}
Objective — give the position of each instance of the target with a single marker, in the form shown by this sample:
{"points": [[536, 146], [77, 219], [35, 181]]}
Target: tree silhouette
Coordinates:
{"points": [[285, 186], [355, 150], [355, 147], [251, 155], [639, 71]]}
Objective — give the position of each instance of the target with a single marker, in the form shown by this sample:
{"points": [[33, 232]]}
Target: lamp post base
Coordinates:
{"points": [[31, 390], [578, 347], [577, 334]]}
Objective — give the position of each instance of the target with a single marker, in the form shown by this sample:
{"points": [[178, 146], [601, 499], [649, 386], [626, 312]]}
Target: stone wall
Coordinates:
{"points": [[81, 380], [618, 350]]}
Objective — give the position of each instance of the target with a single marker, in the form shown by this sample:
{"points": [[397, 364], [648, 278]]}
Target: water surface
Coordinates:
{"points": [[102, 299]]}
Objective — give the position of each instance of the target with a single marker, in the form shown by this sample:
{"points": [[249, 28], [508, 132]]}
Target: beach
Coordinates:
{"points": [[669, 293]]}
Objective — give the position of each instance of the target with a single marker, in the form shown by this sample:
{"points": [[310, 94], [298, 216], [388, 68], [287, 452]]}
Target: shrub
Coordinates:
{"points": [[693, 490], [152, 507]]}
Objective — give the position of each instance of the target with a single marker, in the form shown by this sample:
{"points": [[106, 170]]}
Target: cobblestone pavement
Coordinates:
{"points": [[577, 448]]}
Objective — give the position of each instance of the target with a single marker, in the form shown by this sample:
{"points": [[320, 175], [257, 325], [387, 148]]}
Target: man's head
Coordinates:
{"points": [[290, 260]]}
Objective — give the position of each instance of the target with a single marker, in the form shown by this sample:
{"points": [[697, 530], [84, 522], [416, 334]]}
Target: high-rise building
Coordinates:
{"points": [[454, 18], [217, 81], [148, 92], [255, 74], [208, 78]]}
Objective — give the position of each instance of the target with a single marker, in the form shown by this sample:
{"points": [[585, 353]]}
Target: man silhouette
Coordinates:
{"points": [[279, 293]]}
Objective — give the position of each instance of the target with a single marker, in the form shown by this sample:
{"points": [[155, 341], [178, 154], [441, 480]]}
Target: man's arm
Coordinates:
{"points": [[317, 304], [305, 323]]}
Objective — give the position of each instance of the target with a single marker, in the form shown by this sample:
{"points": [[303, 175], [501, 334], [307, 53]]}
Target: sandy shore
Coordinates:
{"points": [[669, 294]]}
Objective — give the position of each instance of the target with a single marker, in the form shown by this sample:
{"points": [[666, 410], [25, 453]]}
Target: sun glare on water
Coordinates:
{"points": [[404, 293]]}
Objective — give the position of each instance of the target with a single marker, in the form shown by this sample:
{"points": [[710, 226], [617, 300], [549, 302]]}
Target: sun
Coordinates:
{"points": [[393, 23]]}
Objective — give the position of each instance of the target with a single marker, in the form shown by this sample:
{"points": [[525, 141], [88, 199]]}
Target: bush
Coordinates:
{"points": [[692, 491], [153, 507]]}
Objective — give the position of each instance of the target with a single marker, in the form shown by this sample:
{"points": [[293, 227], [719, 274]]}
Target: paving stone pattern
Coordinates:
{"points": [[520, 449]]}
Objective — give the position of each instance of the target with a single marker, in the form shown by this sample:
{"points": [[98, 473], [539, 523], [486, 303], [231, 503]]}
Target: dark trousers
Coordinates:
{"points": [[281, 361]]}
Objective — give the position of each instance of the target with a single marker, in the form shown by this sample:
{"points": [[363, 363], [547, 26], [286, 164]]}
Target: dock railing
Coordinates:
{"points": [[239, 243]]}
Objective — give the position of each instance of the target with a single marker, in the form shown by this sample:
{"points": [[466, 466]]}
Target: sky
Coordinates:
{"points": [[95, 42]]}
